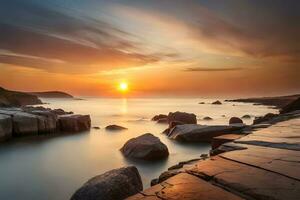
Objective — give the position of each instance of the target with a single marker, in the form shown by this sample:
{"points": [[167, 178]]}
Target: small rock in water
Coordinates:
{"points": [[96, 127], [217, 102], [116, 184], [246, 117], [207, 118], [235, 120], [115, 127], [158, 117], [201, 102], [146, 147]]}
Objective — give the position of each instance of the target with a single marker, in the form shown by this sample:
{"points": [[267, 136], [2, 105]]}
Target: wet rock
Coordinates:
{"points": [[201, 102], [174, 123], [96, 127], [25, 124], [218, 141], [46, 121], [185, 118], [115, 127], [246, 117], [5, 127], [158, 117], [293, 106], [74, 123], [217, 102], [162, 121], [265, 118], [235, 120], [200, 133], [207, 118], [145, 147], [116, 184]]}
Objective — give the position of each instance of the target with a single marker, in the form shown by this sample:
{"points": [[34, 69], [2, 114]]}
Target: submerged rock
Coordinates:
{"points": [[216, 102], [235, 120], [246, 117], [200, 133], [74, 123], [115, 127], [116, 184], [185, 118], [207, 118], [146, 147]]}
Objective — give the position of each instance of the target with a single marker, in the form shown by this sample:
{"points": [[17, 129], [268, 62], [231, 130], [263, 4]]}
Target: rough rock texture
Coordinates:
{"points": [[115, 127], [5, 127], [235, 120], [293, 106], [185, 118], [116, 184], [74, 123], [146, 147], [200, 133], [13, 98], [25, 124], [158, 117], [262, 165], [218, 141], [216, 102], [185, 187]]}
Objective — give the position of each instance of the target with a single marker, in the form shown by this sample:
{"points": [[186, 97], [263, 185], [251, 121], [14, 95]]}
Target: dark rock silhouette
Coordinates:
{"points": [[293, 106], [115, 127], [235, 120], [116, 184], [216, 102]]}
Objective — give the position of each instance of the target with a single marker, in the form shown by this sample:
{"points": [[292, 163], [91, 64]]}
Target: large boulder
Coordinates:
{"points": [[145, 147], [5, 127], [25, 124], [235, 120], [116, 184], [200, 133], [293, 106], [74, 123], [185, 118], [265, 118]]}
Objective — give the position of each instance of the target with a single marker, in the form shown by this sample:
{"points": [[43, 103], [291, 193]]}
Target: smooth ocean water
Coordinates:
{"points": [[53, 167]]}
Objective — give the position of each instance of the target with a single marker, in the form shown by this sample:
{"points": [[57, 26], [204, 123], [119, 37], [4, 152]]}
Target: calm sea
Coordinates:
{"points": [[38, 168]]}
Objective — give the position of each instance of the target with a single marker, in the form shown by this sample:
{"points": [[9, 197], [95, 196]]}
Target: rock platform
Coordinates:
{"points": [[261, 165]]}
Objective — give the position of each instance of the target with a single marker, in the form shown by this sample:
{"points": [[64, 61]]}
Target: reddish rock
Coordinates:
{"points": [[158, 117]]}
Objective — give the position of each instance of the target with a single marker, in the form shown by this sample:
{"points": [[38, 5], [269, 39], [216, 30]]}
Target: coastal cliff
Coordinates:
{"points": [[52, 94], [10, 98]]}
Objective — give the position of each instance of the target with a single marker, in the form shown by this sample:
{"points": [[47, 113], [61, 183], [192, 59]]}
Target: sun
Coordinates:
{"points": [[123, 87]]}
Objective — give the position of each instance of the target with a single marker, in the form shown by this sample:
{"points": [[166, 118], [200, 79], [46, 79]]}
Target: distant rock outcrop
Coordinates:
{"points": [[145, 147], [216, 102], [158, 117], [116, 184], [16, 99], [52, 94]]}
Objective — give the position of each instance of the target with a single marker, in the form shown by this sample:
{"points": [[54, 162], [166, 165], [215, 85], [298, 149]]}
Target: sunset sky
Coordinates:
{"points": [[157, 47]]}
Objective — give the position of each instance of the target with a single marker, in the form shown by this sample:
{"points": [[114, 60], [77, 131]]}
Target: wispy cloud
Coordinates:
{"points": [[207, 69]]}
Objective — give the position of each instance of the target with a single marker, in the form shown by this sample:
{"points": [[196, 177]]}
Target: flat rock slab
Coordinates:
{"points": [[185, 186], [218, 141], [285, 162], [248, 180]]}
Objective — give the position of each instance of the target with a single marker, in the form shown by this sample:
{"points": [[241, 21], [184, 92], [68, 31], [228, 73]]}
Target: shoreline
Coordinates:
{"points": [[202, 171]]}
